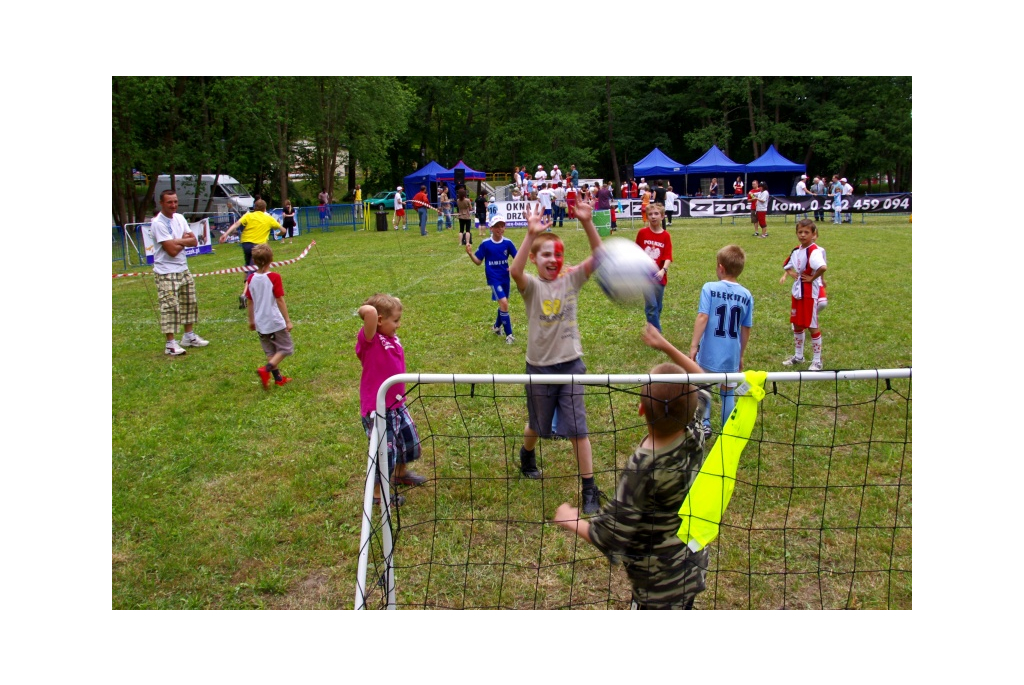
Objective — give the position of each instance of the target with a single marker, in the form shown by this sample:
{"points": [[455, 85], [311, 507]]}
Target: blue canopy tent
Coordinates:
{"points": [[449, 176], [712, 163], [776, 171], [658, 165], [424, 176]]}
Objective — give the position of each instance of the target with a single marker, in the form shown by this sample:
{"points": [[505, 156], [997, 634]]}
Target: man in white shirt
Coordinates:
{"points": [[176, 290], [801, 190], [541, 175], [847, 190], [556, 175], [670, 204], [544, 196], [558, 211]]}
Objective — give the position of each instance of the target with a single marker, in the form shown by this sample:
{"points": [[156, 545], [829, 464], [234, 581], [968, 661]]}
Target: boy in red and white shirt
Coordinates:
{"points": [[657, 243], [805, 264], [268, 315]]}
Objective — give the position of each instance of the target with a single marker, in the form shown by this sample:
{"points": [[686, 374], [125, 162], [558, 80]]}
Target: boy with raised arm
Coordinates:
{"points": [[639, 527], [494, 255], [553, 344]]}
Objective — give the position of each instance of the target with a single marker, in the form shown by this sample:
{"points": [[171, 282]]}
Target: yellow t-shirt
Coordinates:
{"points": [[256, 227], [359, 194]]}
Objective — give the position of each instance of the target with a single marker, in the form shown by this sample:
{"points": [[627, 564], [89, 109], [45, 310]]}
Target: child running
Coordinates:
{"points": [[806, 264], [720, 347], [494, 254], [382, 356], [657, 243], [639, 527], [268, 315], [553, 344]]}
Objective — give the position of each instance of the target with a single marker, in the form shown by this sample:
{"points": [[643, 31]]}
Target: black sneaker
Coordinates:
{"points": [[528, 464], [591, 497]]}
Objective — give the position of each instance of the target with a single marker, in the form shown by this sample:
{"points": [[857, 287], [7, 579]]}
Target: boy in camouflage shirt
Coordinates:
{"points": [[639, 526]]}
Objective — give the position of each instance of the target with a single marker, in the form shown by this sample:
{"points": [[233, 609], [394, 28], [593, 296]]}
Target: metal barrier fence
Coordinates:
{"points": [[127, 246], [328, 217]]}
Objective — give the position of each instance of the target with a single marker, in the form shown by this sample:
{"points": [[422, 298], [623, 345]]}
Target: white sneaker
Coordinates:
{"points": [[815, 365], [793, 360], [496, 329], [193, 340], [509, 339], [174, 348]]}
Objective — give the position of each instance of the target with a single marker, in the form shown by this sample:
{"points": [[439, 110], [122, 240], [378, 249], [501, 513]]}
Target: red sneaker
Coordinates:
{"points": [[284, 379], [264, 377]]}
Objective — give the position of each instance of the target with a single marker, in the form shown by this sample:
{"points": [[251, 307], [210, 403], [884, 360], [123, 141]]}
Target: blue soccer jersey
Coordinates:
{"points": [[729, 307], [495, 257]]}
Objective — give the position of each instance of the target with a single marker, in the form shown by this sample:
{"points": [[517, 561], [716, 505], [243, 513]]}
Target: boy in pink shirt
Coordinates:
{"points": [[381, 355]]}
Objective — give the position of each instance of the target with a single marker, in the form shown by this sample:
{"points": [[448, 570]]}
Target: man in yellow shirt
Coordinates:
{"points": [[256, 227], [359, 202]]}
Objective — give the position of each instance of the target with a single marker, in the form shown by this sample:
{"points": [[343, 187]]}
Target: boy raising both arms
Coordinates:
{"points": [[806, 264], [494, 254], [657, 243], [639, 527], [382, 356], [730, 307], [268, 315], [553, 345]]}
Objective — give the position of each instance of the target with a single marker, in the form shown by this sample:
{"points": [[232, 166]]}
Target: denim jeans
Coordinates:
{"points": [[652, 305], [423, 220]]}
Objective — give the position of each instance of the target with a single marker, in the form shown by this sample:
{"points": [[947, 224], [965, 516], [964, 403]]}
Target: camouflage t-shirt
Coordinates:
{"points": [[639, 526]]}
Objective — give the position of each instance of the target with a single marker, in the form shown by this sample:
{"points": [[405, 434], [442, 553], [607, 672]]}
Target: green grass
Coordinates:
{"points": [[228, 497]]}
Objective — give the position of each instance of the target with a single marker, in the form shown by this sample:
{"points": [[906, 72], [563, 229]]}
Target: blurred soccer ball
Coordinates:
{"points": [[624, 271]]}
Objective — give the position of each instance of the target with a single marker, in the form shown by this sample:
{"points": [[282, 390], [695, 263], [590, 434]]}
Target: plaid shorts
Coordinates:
{"points": [[177, 295], [402, 436]]}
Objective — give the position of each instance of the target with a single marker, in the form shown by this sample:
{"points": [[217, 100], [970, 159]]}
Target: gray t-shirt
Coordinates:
{"points": [[552, 310]]}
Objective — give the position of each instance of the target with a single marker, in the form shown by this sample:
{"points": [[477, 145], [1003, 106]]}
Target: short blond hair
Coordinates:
{"points": [[386, 305], [262, 255], [733, 259], [261, 205]]}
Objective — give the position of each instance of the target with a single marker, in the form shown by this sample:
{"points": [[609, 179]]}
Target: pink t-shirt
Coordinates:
{"points": [[382, 358]]}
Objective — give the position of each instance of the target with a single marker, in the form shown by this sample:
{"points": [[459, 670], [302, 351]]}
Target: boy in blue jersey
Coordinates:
{"points": [[494, 254], [730, 308]]}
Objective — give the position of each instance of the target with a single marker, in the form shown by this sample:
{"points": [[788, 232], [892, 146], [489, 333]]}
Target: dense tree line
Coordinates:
{"points": [[250, 127]]}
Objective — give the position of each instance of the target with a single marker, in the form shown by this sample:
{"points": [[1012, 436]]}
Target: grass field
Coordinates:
{"points": [[225, 496]]}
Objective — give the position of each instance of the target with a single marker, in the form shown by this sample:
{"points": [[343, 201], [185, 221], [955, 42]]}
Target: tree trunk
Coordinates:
{"points": [[611, 137], [751, 117]]}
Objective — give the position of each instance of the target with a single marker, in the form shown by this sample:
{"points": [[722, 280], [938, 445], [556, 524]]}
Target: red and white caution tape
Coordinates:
{"points": [[233, 270]]}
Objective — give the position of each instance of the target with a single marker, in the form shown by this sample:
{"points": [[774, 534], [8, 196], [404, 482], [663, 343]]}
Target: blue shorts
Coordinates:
{"points": [[499, 291], [541, 401], [402, 436]]}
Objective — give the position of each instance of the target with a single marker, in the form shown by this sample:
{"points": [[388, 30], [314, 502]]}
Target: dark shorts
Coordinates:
{"points": [[541, 401], [402, 437], [499, 291], [278, 341], [247, 251]]}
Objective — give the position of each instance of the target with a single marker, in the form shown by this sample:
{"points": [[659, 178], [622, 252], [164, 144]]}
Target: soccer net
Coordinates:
{"points": [[820, 517]]}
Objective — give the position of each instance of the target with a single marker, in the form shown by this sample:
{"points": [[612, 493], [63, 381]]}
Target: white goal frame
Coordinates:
{"points": [[377, 449]]}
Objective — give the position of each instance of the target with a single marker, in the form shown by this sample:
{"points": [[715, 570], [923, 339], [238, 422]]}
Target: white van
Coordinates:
{"points": [[228, 194]]}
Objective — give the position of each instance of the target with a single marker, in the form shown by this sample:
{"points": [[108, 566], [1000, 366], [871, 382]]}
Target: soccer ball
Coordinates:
{"points": [[624, 271]]}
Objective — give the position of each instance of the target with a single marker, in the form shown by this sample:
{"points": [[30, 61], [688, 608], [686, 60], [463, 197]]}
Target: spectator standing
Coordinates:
{"points": [[421, 201], [818, 190], [643, 186], [624, 190], [670, 204], [837, 199], [737, 187], [400, 209], [359, 202], [558, 210], [556, 175], [713, 190], [571, 194], [659, 193], [445, 203], [634, 189], [848, 191], [801, 190], [541, 176], [544, 196], [574, 176], [465, 215], [176, 290], [481, 213]]}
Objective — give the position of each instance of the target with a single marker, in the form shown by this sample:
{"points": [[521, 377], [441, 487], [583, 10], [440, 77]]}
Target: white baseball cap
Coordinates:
{"points": [[804, 176], [555, 167], [495, 220], [399, 188], [540, 166], [842, 180]]}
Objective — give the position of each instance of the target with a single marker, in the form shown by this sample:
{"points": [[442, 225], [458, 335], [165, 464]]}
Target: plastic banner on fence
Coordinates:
{"points": [[201, 230], [232, 270]]}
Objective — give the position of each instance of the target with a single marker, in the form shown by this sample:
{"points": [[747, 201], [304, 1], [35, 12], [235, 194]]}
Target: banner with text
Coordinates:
{"points": [[201, 230]]}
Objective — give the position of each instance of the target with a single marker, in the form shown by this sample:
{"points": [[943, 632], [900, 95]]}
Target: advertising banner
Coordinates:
{"points": [[201, 230]]}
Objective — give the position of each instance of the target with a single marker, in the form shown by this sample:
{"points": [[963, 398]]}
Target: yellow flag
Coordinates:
{"points": [[711, 491]]}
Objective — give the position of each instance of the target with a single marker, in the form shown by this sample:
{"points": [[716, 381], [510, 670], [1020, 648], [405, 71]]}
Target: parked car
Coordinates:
{"points": [[385, 199]]}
